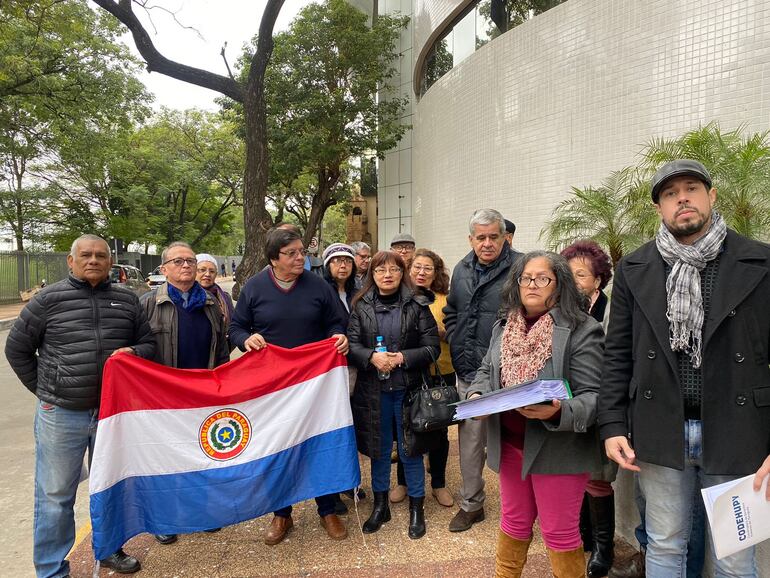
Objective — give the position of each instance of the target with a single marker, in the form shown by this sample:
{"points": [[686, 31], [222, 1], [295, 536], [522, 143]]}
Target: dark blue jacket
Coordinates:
{"points": [[472, 309]]}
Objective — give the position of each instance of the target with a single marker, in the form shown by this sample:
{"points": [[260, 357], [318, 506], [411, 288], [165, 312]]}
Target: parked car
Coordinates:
{"points": [[155, 278], [130, 277]]}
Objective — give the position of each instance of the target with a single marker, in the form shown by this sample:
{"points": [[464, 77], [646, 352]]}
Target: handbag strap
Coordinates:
{"points": [[434, 361]]}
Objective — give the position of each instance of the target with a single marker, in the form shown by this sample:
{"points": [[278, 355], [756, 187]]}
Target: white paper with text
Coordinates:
{"points": [[739, 517]]}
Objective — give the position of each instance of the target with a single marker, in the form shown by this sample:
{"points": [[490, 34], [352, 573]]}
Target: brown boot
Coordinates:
{"points": [[334, 527], [278, 529], [570, 564], [511, 556]]}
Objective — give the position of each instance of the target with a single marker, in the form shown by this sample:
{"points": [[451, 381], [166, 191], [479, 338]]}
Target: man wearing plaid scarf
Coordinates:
{"points": [[685, 395]]}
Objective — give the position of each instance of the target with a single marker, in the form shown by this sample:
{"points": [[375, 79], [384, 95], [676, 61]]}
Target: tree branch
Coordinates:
{"points": [[156, 62], [227, 64]]}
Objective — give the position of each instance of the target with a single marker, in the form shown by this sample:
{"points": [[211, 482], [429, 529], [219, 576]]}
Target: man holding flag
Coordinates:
{"points": [[186, 320], [286, 306], [58, 347]]}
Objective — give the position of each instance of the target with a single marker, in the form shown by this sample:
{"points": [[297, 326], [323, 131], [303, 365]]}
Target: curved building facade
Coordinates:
{"points": [[515, 119]]}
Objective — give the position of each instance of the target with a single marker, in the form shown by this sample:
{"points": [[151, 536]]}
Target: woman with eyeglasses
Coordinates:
{"points": [[592, 269], [388, 307], [543, 452], [429, 274], [286, 305]]}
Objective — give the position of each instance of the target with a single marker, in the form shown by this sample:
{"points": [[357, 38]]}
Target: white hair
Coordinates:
{"points": [[487, 217]]}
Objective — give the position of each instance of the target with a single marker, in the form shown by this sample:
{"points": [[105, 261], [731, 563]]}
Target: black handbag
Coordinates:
{"points": [[428, 406]]}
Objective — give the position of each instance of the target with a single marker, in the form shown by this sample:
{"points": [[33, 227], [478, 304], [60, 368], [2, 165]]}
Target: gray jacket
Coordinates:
{"points": [[572, 445]]}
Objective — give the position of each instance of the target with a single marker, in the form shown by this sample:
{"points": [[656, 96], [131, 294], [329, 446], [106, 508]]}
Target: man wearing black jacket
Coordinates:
{"points": [[58, 347], [471, 311], [685, 395]]}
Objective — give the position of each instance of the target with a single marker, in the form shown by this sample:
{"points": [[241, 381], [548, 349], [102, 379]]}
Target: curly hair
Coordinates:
{"points": [[571, 301], [601, 265], [440, 283]]}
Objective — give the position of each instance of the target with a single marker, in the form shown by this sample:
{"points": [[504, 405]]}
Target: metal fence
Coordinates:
{"points": [[20, 271]]}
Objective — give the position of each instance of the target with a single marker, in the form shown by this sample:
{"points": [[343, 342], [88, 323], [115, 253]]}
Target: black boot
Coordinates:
{"points": [[585, 525], [603, 527], [380, 513], [416, 518]]}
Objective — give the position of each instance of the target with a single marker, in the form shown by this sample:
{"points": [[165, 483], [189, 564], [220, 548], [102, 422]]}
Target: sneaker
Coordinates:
{"points": [[464, 520]]}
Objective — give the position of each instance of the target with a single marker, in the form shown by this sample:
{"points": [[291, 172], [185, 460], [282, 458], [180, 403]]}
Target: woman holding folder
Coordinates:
{"points": [[543, 453]]}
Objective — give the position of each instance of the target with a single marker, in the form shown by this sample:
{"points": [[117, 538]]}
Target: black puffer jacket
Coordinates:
{"points": [[62, 338], [419, 344], [472, 309]]}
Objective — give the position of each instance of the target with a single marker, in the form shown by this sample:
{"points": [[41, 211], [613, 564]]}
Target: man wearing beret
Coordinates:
{"points": [[685, 396]]}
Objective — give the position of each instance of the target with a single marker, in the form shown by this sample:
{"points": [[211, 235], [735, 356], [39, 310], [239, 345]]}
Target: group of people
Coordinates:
{"points": [[669, 374]]}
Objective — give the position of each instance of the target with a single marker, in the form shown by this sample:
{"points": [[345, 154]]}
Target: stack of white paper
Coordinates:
{"points": [[739, 517], [527, 393]]}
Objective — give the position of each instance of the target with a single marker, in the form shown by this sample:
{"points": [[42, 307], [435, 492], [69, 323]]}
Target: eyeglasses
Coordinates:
{"points": [[364, 257], [540, 281], [341, 261], [206, 271], [294, 252], [391, 270], [403, 248], [423, 268], [178, 262]]}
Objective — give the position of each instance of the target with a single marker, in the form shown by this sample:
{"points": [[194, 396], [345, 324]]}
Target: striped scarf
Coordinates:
{"points": [[685, 302]]}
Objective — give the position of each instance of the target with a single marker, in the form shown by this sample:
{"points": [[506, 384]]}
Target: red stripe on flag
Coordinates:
{"points": [[130, 383]]}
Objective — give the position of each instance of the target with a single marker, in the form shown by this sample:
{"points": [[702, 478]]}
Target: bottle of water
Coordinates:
{"points": [[380, 348]]}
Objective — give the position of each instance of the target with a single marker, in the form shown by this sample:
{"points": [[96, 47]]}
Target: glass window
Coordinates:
{"points": [[485, 21]]}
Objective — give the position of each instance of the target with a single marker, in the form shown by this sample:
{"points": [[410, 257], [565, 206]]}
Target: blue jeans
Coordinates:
{"points": [[696, 545], [391, 404], [62, 437], [669, 514]]}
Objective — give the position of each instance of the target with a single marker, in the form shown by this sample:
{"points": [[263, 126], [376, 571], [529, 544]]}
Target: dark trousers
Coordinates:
{"points": [[325, 506]]}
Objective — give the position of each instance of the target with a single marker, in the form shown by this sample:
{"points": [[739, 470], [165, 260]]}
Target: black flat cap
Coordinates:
{"points": [[678, 168]]}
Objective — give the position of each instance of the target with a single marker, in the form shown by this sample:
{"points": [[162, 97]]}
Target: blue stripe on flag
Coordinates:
{"points": [[201, 500]]}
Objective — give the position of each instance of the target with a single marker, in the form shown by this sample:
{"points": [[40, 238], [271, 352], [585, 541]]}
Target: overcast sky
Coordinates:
{"points": [[216, 22]]}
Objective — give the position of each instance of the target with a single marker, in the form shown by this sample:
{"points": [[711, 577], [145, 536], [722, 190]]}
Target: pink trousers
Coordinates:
{"points": [[553, 498]]}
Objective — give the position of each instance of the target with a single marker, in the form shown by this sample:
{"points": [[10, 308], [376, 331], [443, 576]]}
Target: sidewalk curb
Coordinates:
{"points": [[7, 323]]}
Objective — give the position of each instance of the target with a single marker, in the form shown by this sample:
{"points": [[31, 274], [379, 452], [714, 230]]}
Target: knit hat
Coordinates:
{"points": [[337, 250], [207, 257]]}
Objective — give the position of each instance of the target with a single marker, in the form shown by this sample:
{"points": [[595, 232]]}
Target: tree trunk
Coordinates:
{"points": [[327, 181], [256, 217]]}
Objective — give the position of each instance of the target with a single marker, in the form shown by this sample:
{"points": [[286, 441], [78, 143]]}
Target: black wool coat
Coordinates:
{"points": [[640, 394], [418, 342]]}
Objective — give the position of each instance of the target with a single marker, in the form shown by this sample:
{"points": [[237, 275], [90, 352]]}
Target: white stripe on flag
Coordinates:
{"points": [[157, 442]]}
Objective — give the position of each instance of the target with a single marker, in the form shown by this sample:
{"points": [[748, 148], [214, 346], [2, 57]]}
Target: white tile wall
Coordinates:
{"points": [[572, 95]]}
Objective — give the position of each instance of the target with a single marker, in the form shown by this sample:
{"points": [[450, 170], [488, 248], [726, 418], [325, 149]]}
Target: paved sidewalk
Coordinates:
{"points": [[238, 551], [8, 314]]}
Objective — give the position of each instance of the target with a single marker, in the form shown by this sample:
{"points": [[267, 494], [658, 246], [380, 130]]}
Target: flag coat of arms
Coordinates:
{"points": [[189, 450]]}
